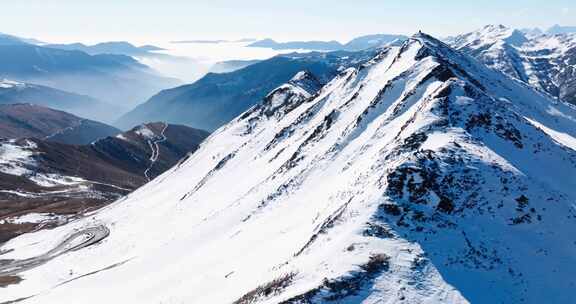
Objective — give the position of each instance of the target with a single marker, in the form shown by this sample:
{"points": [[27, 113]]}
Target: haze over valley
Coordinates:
{"points": [[287, 153]]}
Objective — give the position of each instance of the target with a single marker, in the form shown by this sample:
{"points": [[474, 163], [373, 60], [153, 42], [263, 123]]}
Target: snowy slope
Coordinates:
{"points": [[419, 177], [546, 62]]}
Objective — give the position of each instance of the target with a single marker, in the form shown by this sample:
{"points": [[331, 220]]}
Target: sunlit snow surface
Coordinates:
{"points": [[544, 61], [315, 191]]}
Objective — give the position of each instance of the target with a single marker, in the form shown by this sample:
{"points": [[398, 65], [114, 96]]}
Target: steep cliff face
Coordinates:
{"points": [[421, 177]]}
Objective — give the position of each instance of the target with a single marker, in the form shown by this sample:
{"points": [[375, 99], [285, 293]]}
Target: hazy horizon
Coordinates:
{"points": [[141, 22]]}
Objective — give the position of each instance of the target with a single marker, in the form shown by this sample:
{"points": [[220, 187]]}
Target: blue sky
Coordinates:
{"points": [[149, 20]]}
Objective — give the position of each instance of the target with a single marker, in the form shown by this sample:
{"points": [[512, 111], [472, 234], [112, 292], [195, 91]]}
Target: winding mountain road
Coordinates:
{"points": [[155, 150], [64, 130], [75, 241]]}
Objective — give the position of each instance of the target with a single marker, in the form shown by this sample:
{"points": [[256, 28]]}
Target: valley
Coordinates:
{"points": [[307, 152]]}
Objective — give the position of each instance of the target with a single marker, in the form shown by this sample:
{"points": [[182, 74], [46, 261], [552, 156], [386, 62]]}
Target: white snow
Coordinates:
{"points": [[265, 197], [16, 159], [299, 76], [122, 137], [563, 138], [436, 141], [53, 180], [145, 132], [33, 218], [536, 60], [9, 84]]}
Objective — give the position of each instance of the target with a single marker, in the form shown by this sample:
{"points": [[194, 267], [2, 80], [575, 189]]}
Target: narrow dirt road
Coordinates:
{"points": [[155, 150]]}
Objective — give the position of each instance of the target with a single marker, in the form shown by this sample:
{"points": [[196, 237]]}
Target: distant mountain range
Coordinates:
{"points": [[294, 45], [116, 79], [65, 181], [553, 30], [12, 92], [416, 175], [111, 47], [231, 65], [357, 44], [117, 47], [217, 98], [559, 29], [6, 39], [33, 121], [208, 41], [546, 62], [371, 41]]}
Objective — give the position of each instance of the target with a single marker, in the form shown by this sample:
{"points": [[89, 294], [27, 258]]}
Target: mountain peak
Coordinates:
{"points": [[495, 27], [426, 39], [305, 74], [25, 120], [281, 101], [559, 29], [516, 38], [489, 36], [429, 45], [307, 81], [412, 177]]}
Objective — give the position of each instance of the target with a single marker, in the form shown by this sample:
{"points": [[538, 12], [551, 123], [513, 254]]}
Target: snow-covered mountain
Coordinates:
{"points": [[372, 41], [295, 45], [356, 44], [547, 62], [420, 176], [559, 29], [553, 30]]}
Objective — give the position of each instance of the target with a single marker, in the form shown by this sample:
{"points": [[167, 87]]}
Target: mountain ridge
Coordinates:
{"points": [[543, 61], [215, 99], [46, 183], [29, 120], [420, 175], [356, 44], [115, 79], [112, 47], [15, 92]]}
